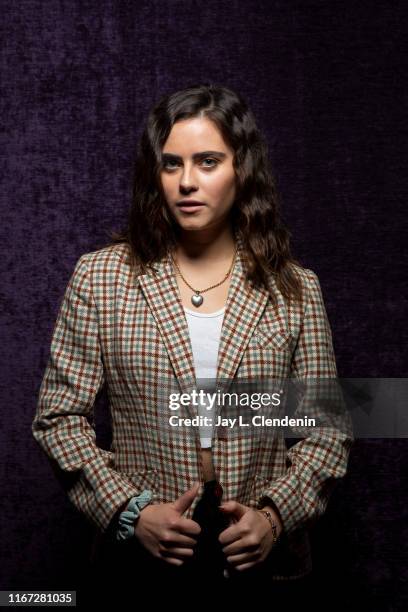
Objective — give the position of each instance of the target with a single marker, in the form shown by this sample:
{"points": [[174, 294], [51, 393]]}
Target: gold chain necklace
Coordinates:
{"points": [[197, 299]]}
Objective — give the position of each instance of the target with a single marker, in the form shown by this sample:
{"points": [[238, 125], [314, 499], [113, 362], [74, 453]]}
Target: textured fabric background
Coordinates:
{"points": [[326, 81]]}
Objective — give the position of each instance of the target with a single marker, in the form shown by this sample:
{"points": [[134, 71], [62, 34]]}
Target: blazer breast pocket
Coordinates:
{"points": [[268, 354], [269, 337]]}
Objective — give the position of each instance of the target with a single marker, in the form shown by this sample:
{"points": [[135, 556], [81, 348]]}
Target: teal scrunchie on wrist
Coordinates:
{"points": [[128, 517]]}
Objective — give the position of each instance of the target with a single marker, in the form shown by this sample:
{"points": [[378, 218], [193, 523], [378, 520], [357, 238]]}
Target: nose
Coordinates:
{"points": [[187, 179]]}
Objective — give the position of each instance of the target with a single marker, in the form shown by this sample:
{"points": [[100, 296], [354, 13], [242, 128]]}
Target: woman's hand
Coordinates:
{"points": [[165, 533], [250, 539]]}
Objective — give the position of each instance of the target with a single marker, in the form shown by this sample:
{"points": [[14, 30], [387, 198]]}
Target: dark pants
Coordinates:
{"points": [[121, 570]]}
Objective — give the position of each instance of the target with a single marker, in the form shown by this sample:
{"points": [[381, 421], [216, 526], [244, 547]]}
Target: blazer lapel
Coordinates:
{"points": [[163, 298], [244, 308]]}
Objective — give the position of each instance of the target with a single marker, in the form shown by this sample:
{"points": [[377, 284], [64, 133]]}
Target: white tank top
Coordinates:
{"points": [[205, 333]]}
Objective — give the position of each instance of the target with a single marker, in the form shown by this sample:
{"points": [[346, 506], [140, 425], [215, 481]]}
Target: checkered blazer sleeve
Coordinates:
{"points": [[315, 463], [62, 423]]}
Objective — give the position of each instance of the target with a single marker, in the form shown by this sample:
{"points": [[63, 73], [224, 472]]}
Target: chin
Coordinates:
{"points": [[192, 225]]}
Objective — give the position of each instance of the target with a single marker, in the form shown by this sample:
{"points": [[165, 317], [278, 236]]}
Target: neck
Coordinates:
{"points": [[209, 246]]}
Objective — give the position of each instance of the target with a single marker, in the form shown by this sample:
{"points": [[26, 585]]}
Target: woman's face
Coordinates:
{"points": [[197, 165]]}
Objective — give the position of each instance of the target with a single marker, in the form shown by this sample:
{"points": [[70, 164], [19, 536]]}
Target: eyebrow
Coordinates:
{"points": [[195, 155]]}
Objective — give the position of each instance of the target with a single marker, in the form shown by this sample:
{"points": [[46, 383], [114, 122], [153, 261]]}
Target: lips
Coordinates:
{"points": [[189, 203], [190, 206]]}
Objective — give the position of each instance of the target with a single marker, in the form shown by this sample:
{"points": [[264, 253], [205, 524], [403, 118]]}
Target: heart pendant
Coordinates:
{"points": [[197, 299]]}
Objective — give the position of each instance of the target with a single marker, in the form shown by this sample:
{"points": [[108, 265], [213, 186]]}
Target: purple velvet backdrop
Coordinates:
{"points": [[326, 82]]}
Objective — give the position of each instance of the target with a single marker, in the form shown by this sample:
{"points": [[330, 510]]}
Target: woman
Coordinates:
{"points": [[201, 287]]}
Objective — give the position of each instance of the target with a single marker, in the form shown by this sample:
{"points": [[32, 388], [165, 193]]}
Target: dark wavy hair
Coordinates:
{"points": [[151, 230]]}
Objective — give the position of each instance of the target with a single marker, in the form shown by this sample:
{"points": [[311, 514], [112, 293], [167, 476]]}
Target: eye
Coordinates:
{"points": [[169, 161], [210, 159], [171, 164]]}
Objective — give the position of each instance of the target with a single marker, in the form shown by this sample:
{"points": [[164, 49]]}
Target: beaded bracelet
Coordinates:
{"points": [[272, 523]]}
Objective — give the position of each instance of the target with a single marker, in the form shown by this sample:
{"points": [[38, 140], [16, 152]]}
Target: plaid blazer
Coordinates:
{"points": [[131, 333]]}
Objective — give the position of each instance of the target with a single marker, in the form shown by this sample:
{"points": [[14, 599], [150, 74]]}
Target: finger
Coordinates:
{"points": [[184, 501], [172, 561], [188, 527], [235, 560], [230, 534], [245, 566], [179, 540], [235, 508], [229, 506], [178, 553], [240, 545]]}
